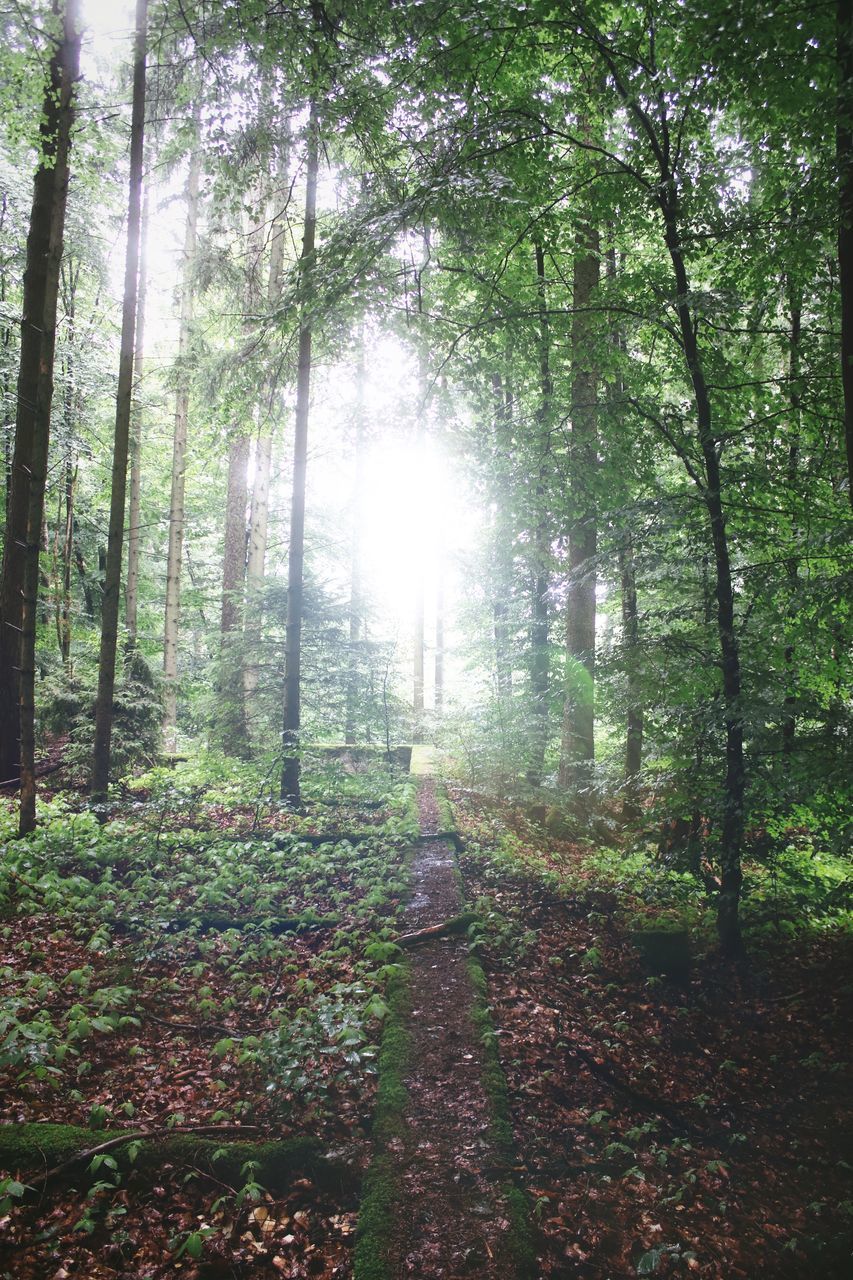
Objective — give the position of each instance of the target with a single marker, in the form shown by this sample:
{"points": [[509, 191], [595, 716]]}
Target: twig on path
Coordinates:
{"points": [[457, 924]]}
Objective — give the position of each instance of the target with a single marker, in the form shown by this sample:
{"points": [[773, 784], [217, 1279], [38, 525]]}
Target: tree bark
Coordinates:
{"points": [[356, 598], [418, 573], [131, 597], [26, 477], [35, 380], [290, 789], [179, 464], [792, 566], [631, 646], [112, 579], [540, 578], [734, 786], [844, 159], [578, 745], [234, 553], [259, 515]]}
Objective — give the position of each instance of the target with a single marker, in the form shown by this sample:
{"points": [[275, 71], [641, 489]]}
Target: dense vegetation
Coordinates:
{"points": [[476, 374]]}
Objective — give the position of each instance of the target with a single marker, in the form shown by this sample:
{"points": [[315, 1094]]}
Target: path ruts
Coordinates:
{"points": [[450, 1218]]}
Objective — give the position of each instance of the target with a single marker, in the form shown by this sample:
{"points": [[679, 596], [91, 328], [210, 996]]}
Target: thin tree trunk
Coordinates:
{"points": [[259, 516], [540, 579], [234, 554], [356, 601], [792, 568], [290, 790], [418, 573], [131, 606], [844, 159], [258, 522], [439, 635], [179, 464], [35, 393], [112, 580], [502, 578], [734, 786], [578, 745], [631, 646], [63, 612]]}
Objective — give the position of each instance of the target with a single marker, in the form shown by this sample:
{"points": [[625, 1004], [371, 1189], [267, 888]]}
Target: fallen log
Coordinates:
{"points": [[456, 924]]}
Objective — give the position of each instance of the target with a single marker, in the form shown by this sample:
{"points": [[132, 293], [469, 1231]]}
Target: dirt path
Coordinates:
{"points": [[451, 1219]]}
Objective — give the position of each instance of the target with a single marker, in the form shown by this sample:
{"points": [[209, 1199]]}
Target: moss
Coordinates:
{"points": [[521, 1240], [446, 816], [34, 1148], [522, 1251], [380, 1187], [375, 1220]]}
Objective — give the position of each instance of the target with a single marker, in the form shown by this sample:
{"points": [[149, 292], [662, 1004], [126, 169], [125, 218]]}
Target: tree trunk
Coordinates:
{"points": [[578, 746], [112, 579], [502, 573], [131, 597], [63, 610], [631, 647], [418, 573], [231, 723], [35, 389], [844, 159], [439, 633], [26, 477], [734, 786], [792, 567], [540, 578], [179, 464], [290, 791], [234, 553], [356, 599]]}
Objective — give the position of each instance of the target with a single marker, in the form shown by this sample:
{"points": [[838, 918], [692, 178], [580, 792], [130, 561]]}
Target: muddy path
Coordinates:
{"points": [[451, 1218]]}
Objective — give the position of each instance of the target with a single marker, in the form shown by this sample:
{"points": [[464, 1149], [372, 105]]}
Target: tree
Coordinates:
{"points": [[290, 790], [20, 585], [179, 458], [121, 441]]}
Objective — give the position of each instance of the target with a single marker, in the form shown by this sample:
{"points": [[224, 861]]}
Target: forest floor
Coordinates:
{"points": [[222, 978]]}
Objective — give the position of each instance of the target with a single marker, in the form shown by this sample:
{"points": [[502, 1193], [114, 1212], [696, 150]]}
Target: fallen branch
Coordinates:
{"points": [[137, 1135], [457, 924]]}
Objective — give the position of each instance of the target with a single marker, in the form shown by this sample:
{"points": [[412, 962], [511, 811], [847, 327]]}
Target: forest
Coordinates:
{"points": [[426, 641]]}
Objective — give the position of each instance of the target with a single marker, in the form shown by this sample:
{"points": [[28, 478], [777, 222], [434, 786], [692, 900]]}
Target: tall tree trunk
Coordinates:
{"points": [[131, 596], [419, 573], [35, 388], [231, 723], [578, 745], [26, 477], [540, 578], [439, 636], [234, 554], [792, 567], [179, 463], [502, 575], [356, 598], [290, 790], [63, 610], [734, 786], [112, 579], [631, 646], [844, 157], [259, 517]]}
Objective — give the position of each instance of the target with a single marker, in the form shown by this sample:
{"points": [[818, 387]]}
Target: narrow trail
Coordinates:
{"points": [[451, 1218]]}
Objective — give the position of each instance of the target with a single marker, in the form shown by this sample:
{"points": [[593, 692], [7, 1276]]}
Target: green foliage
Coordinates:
{"points": [[68, 708]]}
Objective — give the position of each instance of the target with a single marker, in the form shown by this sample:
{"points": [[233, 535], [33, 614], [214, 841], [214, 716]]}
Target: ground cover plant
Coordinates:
{"points": [[171, 971], [696, 1123]]}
